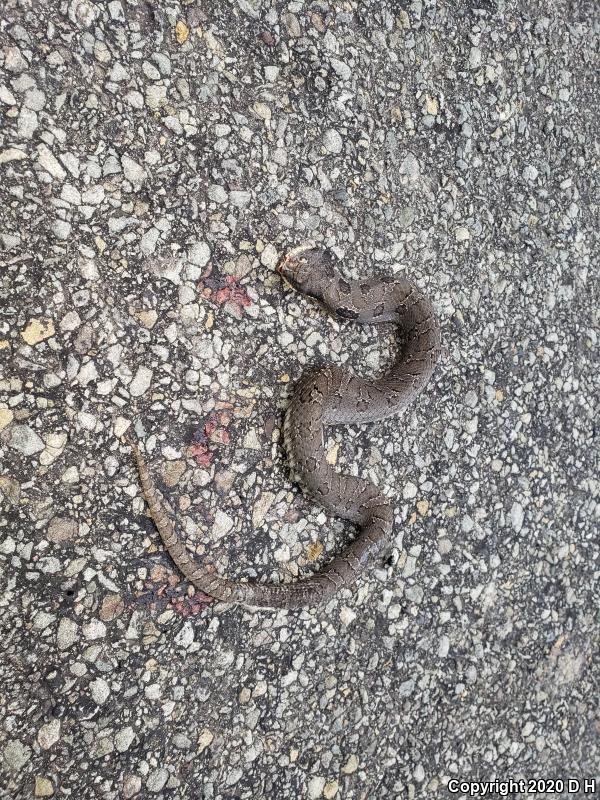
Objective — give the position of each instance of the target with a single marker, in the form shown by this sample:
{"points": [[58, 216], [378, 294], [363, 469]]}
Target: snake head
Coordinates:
{"points": [[304, 269]]}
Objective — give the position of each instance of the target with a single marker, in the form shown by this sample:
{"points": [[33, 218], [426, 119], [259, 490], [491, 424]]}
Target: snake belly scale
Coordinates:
{"points": [[326, 396]]}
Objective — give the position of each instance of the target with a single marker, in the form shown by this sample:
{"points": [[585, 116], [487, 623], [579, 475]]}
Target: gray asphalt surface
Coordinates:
{"points": [[156, 160]]}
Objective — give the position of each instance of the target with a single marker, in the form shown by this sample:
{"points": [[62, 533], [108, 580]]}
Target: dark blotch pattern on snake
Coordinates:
{"points": [[329, 396]]}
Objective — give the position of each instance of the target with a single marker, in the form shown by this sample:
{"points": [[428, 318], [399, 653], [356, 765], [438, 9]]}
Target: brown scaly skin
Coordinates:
{"points": [[329, 396]]}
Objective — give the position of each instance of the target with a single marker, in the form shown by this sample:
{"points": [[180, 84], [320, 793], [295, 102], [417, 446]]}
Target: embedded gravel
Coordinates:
{"points": [[156, 160]]}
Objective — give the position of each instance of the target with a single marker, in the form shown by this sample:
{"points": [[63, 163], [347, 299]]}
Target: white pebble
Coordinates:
{"points": [[100, 691], [124, 738], [443, 646], [269, 257], [67, 633], [141, 382], [133, 171], [199, 254], [25, 440], [186, 635], [347, 616], [332, 141], [49, 734], [95, 629], [409, 491], [222, 524], [47, 160], [315, 787], [516, 516], [149, 241]]}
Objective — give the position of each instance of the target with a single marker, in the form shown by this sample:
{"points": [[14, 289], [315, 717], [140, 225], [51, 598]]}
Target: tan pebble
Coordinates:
{"points": [[6, 417], [292, 24], [347, 616], [499, 395], [332, 454], [204, 739], [55, 443], [12, 154], [432, 106], [351, 765], [120, 425], [224, 480], [43, 787], [318, 22], [4, 343], [62, 529], [251, 440], [423, 507], [331, 789], [147, 317], [11, 384], [172, 471], [314, 550], [158, 573], [11, 489], [246, 411], [245, 695], [112, 607], [37, 331], [263, 111], [181, 32], [261, 508]]}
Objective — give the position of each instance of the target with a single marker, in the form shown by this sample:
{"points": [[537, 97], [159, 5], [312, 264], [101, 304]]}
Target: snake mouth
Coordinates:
{"points": [[290, 257]]}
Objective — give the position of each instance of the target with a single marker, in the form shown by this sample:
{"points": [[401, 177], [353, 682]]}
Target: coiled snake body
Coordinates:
{"points": [[329, 396]]}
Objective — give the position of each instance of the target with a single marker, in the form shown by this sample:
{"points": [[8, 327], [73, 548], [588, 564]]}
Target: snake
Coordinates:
{"points": [[327, 396]]}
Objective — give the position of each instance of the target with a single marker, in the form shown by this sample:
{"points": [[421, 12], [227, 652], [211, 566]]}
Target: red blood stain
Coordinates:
{"points": [[221, 290], [212, 431], [189, 606]]}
